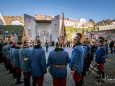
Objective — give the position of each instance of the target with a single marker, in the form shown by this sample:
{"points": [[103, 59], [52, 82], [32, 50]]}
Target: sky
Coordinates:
{"points": [[94, 9]]}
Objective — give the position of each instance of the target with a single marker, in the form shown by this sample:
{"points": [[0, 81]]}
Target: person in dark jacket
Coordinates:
{"points": [[24, 56], [106, 47], [57, 62], [111, 45], [12, 69], [8, 62], [93, 49], [88, 56], [38, 64], [4, 53], [77, 61], [16, 61], [46, 46], [100, 57], [1, 53]]}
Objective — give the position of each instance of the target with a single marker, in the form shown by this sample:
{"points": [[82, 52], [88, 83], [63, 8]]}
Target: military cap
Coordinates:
{"points": [[77, 38], [100, 39], [79, 34]]}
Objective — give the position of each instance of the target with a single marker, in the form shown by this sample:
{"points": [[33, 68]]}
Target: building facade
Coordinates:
{"points": [[45, 29]]}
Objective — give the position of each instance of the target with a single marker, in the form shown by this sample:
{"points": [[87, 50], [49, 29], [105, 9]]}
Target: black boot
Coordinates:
{"points": [[103, 75], [11, 69], [78, 84], [34, 84], [26, 81], [98, 75], [18, 78], [14, 73]]}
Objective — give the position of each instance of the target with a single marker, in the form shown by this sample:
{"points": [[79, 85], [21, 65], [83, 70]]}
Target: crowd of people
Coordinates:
{"points": [[20, 58]]}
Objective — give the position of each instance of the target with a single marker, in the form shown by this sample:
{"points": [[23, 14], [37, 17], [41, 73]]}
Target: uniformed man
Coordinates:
{"points": [[38, 64], [100, 57], [16, 61], [4, 53], [93, 49], [12, 69], [46, 46], [8, 63], [77, 61], [1, 53], [85, 62], [25, 55], [57, 62], [88, 57], [106, 46]]}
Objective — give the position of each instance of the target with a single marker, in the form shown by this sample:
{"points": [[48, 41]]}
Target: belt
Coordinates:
{"points": [[60, 66]]}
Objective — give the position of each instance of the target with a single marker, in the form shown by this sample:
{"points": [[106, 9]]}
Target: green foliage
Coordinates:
{"points": [[10, 28], [13, 28], [70, 30], [92, 21]]}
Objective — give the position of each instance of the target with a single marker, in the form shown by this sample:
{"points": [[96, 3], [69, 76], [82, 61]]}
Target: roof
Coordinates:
{"points": [[8, 19]]}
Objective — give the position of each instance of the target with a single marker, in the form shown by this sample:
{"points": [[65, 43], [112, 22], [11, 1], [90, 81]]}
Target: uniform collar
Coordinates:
{"points": [[77, 44], [17, 47], [37, 46], [58, 49], [101, 46]]}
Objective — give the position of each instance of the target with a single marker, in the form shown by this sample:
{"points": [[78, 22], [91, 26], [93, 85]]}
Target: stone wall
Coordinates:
{"points": [[29, 26]]}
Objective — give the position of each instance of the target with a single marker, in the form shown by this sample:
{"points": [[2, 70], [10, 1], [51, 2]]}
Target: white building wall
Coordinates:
{"points": [[106, 27], [2, 22], [16, 22], [56, 28], [29, 26], [113, 23], [43, 31]]}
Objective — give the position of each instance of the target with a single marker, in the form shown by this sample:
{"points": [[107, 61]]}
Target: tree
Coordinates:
{"points": [[92, 21]]}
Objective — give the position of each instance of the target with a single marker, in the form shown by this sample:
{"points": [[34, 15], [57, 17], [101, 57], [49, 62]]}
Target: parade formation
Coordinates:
{"points": [[57, 43], [21, 58]]}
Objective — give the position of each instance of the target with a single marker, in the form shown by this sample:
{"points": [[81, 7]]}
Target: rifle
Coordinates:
{"points": [[71, 72], [92, 68], [69, 75]]}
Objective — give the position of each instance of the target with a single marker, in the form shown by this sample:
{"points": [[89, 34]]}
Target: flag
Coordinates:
{"points": [[24, 36], [63, 30], [83, 35]]}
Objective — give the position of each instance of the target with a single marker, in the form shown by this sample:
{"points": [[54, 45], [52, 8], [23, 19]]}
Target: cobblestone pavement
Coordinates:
{"points": [[7, 79]]}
